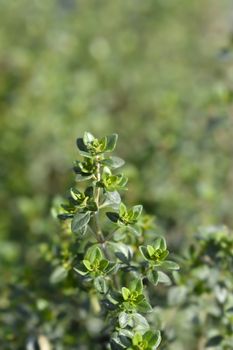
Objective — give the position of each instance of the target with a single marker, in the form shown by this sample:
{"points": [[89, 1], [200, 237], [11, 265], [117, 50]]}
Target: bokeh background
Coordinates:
{"points": [[157, 72]]}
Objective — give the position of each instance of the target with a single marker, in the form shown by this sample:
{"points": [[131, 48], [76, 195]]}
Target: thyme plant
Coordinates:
{"points": [[118, 255], [204, 291]]}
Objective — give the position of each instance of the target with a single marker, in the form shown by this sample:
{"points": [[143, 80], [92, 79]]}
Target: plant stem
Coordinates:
{"points": [[95, 217], [201, 343], [109, 237], [97, 229]]}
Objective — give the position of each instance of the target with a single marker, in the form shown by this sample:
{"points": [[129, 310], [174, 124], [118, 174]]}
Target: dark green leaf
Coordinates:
{"points": [[114, 217], [81, 145], [122, 258], [65, 216], [89, 192], [214, 341]]}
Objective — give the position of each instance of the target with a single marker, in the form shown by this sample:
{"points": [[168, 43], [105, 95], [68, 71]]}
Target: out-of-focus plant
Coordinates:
{"points": [[62, 60], [204, 290], [115, 259]]}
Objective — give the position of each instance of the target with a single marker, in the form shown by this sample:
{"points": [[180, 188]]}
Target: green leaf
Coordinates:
{"points": [[122, 251], [115, 297], [157, 243], [153, 276], [135, 229], [144, 252], [87, 264], [80, 271], [170, 265], [126, 333], [103, 265], [75, 193], [88, 137], [79, 221], [111, 142], [150, 250], [82, 231], [80, 178], [94, 253], [122, 209], [137, 339], [111, 267], [163, 244], [122, 181], [163, 278], [112, 199], [101, 285], [124, 319], [140, 323], [85, 154], [125, 293], [154, 339], [123, 258], [137, 210], [58, 275], [139, 286], [113, 162], [102, 144], [144, 306], [117, 345]]}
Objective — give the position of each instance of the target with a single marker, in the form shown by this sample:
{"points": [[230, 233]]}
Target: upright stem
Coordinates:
{"points": [[97, 228], [98, 176], [201, 343], [98, 231]]}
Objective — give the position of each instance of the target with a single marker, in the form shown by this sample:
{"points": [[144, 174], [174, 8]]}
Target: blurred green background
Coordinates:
{"points": [[157, 72]]}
